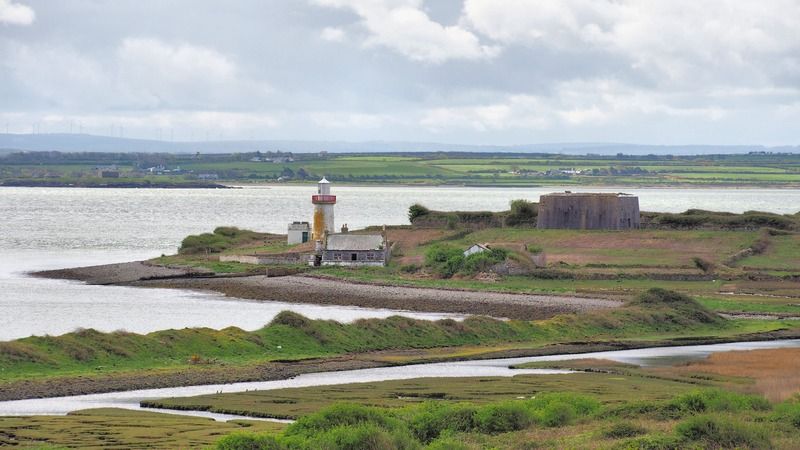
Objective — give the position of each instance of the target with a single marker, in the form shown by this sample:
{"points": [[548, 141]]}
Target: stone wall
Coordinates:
{"points": [[588, 211], [283, 258]]}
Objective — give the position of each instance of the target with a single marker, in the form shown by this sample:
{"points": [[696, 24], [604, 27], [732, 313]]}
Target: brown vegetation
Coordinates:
{"points": [[776, 372]]}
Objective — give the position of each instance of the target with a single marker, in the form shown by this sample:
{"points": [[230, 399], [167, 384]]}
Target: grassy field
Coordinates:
{"points": [[709, 403], [121, 429], [439, 168], [704, 404]]}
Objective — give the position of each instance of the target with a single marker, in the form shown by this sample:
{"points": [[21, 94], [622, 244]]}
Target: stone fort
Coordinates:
{"points": [[588, 211]]}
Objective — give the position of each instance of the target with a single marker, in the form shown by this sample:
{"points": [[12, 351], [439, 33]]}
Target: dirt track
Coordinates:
{"points": [[308, 289], [324, 291]]}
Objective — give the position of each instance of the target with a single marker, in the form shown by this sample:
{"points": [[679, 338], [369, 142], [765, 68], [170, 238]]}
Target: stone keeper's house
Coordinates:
{"points": [[345, 249]]}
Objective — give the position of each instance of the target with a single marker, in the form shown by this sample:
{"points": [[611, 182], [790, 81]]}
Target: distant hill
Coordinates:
{"points": [[91, 143]]}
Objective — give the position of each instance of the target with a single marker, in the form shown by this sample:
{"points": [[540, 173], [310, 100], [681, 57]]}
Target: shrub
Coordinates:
{"points": [[478, 262], [448, 260], [723, 432], [789, 412], [534, 249], [702, 264], [409, 268], [621, 430], [522, 212], [716, 400], [557, 414], [446, 443], [503, 417], [656, 442], [365, 436], [416, 210], [436, 418], [248, 441], [582, 404], [337, 416]]}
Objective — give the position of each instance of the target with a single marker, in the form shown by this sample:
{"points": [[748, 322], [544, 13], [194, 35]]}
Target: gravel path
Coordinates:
{"points": [[325, 291], [120, 273], [308, 289]]}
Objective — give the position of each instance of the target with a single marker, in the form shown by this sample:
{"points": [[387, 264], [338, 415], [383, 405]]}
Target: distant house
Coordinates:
{"points": [[348, 249], [107, 172], [207, 176], [476, 248]]}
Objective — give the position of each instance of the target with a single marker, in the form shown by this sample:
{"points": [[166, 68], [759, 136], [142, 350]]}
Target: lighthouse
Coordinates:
{"points": [[323, 210]]}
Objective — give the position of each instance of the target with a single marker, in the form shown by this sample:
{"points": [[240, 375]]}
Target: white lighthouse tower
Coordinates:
{"points": [[323, 210]]}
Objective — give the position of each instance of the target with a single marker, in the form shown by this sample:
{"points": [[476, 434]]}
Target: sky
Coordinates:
{"points": [[502, 72]]}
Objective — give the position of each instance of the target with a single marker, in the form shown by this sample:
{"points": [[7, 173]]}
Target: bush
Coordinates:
{"points": [[716, 400], [788, 412], [436, 418], [248, 441], [624, 430], [503, 417], [702, 264], [417, 210], [522, 212], [479, 262], [723, 432], [656, 442], [409, 268], [337, 416], [363, 436], [446, 443], [446, 260], [559, 409]]}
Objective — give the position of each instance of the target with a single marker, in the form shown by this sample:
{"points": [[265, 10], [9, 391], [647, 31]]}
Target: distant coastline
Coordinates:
{"points": [[120, 185]]}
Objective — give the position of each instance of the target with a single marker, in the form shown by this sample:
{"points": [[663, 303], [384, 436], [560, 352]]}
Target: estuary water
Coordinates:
{"points": [[474, 368], [48, 228]]}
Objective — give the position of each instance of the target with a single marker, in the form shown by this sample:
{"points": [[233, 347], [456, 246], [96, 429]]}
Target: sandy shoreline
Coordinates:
{"points": [[326, 291]]}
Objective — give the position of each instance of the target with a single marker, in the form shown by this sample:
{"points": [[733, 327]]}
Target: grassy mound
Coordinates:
{"points": [[221, 239], [292, 336]]}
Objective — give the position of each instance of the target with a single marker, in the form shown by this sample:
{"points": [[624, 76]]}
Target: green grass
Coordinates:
{"points": [[696, 418], [427, 168], [782, 254], [121, 429], [291, 336]]}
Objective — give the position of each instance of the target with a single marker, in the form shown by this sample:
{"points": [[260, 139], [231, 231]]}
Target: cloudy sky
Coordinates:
{"points": [[456, 71]]}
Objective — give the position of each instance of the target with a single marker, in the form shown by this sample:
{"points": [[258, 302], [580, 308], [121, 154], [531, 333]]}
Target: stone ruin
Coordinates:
{"points": [[588, 211]]}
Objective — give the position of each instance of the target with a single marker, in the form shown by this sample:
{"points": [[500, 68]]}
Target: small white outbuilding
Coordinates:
{"points": [[298, 233], [476, 248]]}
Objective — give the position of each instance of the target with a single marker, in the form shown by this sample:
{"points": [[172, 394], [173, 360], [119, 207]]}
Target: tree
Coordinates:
{"points": [[416, 210], [287, 173]]}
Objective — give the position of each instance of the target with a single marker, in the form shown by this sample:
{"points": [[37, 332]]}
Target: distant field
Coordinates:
{"points": [[444, 168]]}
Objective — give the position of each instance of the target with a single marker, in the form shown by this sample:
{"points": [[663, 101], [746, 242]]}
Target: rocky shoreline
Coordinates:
{"points": [[327, 291]]}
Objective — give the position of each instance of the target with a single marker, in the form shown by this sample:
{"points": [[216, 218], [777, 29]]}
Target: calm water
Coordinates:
{"points": [[484, 368], [45, 228]]}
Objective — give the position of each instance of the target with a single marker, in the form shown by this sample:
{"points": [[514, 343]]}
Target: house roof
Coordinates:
{"points": [[323, 181], [347, 241]]}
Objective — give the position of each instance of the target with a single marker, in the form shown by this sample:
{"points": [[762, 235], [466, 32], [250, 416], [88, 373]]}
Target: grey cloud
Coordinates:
{"points": [[483, 71]]}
